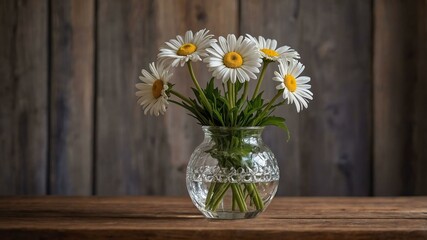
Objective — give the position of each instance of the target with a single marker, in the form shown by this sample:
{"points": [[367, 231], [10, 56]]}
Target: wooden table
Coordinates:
{"points": [[171, 218]]}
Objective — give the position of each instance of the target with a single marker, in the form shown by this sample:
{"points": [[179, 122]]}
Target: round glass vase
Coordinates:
{"points": [[232, 174]]}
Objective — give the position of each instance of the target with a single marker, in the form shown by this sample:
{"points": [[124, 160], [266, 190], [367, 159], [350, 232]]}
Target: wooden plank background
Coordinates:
{"points": [[23, 96], [71, 97], [400, 99], [70, 125]]}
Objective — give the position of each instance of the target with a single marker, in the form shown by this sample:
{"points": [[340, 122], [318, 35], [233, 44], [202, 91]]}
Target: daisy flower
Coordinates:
{"points": [[295, 86], [152, 90], [233, 59], [189, 48], [268, 51]]}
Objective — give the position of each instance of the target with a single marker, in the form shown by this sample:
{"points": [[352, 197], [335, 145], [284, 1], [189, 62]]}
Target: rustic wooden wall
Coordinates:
{"points": [[71, 96], [329, 153], [69, 122], [24, 74], [400, 98]]}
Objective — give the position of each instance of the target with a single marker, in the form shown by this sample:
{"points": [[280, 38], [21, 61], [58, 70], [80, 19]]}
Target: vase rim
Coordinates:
{"points": [[234, 128]]}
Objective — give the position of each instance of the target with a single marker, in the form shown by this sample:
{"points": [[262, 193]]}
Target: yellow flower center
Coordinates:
{"points": [[157, 88], [290, 83], [186, 49], [232, 60], [270, 52]]}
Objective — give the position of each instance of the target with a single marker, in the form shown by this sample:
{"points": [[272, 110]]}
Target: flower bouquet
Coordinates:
{"points": [[232, 174]]}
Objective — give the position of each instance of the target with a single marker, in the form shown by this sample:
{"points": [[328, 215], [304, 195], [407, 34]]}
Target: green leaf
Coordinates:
{"points": [[276, 121]]}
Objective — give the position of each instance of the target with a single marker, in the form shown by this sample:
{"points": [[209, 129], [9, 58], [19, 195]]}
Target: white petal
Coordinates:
{"points": [[298, 70], [303, 79], [231, 39], [223, 44]]}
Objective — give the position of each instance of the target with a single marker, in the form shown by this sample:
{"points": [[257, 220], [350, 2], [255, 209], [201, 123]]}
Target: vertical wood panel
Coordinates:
{"points": [[276, 20], [330, 149], [420, 112], [336, 145], [23, 97], [400, 97], [183, 134], [139, 154], [72, 58], [125, 29]]}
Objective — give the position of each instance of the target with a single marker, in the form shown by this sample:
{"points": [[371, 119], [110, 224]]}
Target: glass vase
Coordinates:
{"points": [[232, 174]]}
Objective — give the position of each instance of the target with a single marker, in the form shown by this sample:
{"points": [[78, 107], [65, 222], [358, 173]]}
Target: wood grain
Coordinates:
{"points": [[139, 154], [330, 148], [400, 83], [71, 97], [364, 133], [420, 112], [23, 94], [159, 218], [125, 28], [183, 133], [256, 23]]}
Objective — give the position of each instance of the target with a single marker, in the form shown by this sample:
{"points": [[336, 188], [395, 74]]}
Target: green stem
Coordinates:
{"points": [[273, 101], [233, 91], [252, 189], [210, 192], [218, 196], [245, 91], [230, 93], [196, 83], [261, 77], [260, 202], [238, 197], [233, 88], [182, 97], [267, 108], [233, 202]]}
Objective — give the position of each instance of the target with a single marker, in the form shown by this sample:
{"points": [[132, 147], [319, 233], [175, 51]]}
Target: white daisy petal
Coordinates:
{"points": [[251, 75], [234, 59], [303, 79], [190, 48], [223, 44], [188, 36], [269, 51], [172, 46], [295, 88], [152, 95], [243, 74], [216, 49], [280, 86], [233, 75], [181, 41], [273, 44], [231, 40], [175, 43], [298, 69]]}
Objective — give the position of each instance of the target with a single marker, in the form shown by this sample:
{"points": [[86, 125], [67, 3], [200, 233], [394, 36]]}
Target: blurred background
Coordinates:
{"points": [[70, 124]]}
